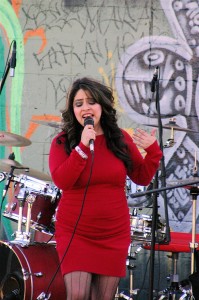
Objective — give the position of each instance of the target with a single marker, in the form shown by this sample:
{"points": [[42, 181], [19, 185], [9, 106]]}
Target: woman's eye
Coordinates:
{"points": [[92, 101], [78, 104]]}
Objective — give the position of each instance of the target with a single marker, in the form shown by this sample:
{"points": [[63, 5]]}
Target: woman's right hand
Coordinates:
{"points": [[88, 134]]}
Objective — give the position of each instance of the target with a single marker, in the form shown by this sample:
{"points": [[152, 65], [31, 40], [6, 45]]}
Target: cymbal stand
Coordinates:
{"points": [[131, 267], [155, 88], [194, 191]]}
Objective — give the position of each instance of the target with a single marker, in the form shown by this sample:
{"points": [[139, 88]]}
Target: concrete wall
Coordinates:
{"points": [[120, 43]]}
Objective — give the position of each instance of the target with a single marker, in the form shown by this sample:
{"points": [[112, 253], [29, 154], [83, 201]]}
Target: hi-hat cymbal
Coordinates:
{"points": [[171, 126], [48, 123], [5, 166], [12, 139], [6, 163], [186, 182]]}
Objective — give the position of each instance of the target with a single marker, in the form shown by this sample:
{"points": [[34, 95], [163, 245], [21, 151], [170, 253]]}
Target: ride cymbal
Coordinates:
{"points": [[12, 139], [186, 182], [48, 123], [175, 127]]}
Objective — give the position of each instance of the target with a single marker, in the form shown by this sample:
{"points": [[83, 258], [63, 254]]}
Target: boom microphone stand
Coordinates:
{"points": [[155, 87], [10, 65]]}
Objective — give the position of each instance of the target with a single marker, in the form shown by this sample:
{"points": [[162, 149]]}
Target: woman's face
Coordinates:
{"points": [[85, 106]]}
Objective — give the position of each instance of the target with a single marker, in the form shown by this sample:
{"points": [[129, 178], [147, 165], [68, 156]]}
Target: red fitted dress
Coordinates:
{"points": [[102, 237]]}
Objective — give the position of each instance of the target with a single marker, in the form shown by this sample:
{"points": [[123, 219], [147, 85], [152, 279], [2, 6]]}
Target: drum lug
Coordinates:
{"points": [[39, 216], [38, 274], [52, 200], [13, 206], [26, 274]]}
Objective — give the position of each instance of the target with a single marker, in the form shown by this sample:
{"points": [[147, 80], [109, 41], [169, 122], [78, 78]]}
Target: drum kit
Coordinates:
{"points": [[141, 233], [141, 230], [29, 263]]}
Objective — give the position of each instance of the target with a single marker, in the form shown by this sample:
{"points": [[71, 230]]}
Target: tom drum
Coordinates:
{"points": [[44, 197]]}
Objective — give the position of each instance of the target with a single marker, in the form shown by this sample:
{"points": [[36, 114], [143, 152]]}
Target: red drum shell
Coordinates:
{"points": [[30, 270]]}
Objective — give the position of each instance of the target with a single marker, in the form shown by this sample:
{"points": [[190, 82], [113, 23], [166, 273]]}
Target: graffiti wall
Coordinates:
{"points": [[120, 43]]}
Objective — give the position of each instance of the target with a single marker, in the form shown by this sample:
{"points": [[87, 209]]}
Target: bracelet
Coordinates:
{"points": [[80, 152]]}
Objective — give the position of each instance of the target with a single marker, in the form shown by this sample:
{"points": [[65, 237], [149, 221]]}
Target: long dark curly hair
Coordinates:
{"points": [[72, 130]]}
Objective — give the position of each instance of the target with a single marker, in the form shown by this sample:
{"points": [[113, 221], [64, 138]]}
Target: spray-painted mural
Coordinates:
{"points": [[59, 41], [120, 43], [177, 60]]}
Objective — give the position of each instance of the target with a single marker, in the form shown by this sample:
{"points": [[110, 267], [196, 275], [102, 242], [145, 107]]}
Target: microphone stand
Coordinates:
{"points": [[155, 87], [5, 74], [164, 188]]}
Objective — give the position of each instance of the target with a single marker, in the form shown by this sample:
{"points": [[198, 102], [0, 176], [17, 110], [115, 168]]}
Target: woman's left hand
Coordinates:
{"points": [[143, 139]]}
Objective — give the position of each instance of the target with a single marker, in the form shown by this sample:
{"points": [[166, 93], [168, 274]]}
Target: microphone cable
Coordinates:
{"points": [[73, 233]]}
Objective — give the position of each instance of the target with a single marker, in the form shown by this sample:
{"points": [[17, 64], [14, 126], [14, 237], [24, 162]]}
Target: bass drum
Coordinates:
{"points": [[30, 273]]}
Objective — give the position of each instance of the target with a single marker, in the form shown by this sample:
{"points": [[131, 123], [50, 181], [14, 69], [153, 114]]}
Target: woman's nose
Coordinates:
{"points": [[86, 106]]}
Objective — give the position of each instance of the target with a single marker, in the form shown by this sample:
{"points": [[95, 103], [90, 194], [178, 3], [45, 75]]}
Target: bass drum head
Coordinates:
{"points": [[27, 272]]}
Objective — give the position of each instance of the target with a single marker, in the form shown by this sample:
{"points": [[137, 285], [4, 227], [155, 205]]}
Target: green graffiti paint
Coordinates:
{"points": [[12, 29]]}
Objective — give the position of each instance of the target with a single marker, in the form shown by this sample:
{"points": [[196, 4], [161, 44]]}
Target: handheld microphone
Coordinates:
{"points": [[13, 60], [155, 77], [89, 121]]}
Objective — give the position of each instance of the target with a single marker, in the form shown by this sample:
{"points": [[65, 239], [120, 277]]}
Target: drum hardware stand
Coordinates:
{"points": [[130, 267], [174, 287], [9, 178], [23, 238], [43, 296], [195, 192], [155, 91]]}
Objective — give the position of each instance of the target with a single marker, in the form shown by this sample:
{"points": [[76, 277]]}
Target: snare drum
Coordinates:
{"points": [[141, 228], [44, 197], [28, 272]]}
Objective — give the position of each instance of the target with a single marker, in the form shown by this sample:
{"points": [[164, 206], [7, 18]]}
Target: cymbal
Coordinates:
{"points": [[37, 174], [170, 126], [186, 181], [5, 166], [48, 123], [12, 139]]}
